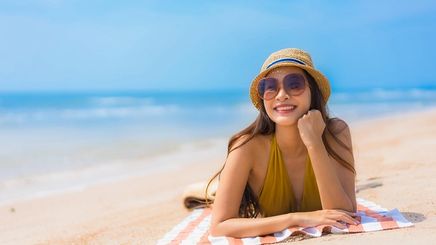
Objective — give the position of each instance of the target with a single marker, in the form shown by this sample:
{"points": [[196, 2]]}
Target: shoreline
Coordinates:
{"points": [[142, 208], [115, 171]]}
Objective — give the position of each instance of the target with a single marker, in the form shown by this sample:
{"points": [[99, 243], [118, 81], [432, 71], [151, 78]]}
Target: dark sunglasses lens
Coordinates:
{"points": [[267, 88], [294, 84]]}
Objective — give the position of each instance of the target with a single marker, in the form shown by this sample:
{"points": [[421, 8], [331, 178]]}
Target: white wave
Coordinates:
{"points": [[118, 112], [120, 100], [86, 113], [386, 94], [12, 118], [421, 93]]}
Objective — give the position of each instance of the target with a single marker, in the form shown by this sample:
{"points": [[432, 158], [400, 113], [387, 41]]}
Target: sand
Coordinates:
{"points": [[394, 161]]}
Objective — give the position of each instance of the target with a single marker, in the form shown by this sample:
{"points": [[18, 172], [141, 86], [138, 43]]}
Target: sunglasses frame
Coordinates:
{"points": [[288, 91]]}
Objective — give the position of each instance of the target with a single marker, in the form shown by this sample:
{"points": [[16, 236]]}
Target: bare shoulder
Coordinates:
{"points": [[249, 149], [338, 126], [251, 145], [341, 131], [341, 142]]}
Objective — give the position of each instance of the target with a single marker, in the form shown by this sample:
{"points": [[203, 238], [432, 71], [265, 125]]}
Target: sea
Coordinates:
{"points": [[56, 141]]}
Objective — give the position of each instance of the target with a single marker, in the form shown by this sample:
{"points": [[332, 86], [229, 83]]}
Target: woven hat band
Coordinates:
{"points": [[293, 60]]}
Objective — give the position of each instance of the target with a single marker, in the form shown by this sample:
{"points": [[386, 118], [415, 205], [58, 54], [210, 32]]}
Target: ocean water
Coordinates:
{"points": [[55, 141]]}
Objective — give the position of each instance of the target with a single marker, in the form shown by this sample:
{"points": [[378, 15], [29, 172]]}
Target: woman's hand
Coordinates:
{"points": [[332, 217], [311, 126]]}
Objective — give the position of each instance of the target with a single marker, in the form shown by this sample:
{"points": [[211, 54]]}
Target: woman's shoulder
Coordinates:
{"points": [[251, 145], [341, 131], [245, 152], [337, 125]]}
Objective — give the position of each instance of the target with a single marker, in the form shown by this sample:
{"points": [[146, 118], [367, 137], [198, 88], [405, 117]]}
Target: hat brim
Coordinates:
{"points": [[321, 80]]}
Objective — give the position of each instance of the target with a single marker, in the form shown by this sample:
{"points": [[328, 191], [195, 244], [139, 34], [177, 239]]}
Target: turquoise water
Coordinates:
{"points": [[205, 109], [57, 140], [148, 110]]}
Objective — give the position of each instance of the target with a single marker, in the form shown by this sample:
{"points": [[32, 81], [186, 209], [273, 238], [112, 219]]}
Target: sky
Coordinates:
{"points": [[82, 45]]}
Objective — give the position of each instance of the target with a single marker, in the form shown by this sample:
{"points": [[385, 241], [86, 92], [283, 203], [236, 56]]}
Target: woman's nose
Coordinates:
{"points": [[282, 95]]}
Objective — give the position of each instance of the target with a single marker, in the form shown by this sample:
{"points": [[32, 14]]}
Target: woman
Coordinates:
{"points": [[294, 165]]}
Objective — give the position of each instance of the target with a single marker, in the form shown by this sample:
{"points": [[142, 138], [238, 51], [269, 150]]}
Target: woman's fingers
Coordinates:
{"points": [[345, 217], [338, 225], [348, 219], [346, 212], [351, 214]]}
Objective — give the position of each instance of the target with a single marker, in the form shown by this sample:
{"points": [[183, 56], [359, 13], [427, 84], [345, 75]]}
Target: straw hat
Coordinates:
{"points": [[289, 57]]}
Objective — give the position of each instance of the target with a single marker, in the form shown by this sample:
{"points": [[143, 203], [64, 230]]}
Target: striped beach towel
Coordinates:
{"points": [[194, 229]]}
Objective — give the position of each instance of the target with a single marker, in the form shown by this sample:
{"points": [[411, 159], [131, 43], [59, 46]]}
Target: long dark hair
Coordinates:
{"points": [[249, 207]]}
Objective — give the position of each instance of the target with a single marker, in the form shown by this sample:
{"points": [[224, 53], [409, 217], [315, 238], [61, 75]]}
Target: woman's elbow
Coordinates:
{"points": [[214, 230], [350, 208], [353, 208], [220, 229]]}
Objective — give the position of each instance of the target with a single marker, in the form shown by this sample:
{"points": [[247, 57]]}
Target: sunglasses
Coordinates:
{"points": [[294, 84]]}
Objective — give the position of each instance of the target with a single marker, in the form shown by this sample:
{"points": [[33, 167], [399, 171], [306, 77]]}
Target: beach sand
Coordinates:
{"points": [[394, 161]]}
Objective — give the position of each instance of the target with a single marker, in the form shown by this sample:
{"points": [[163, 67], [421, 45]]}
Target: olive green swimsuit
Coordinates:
{"points": [[277, 196]]}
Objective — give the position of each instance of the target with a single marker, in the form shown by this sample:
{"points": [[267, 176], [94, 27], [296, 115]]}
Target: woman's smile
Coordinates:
{"points": [[284, 109]]}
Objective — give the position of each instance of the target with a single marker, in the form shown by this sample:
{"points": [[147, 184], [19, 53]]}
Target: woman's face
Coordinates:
{"points": [[300, 104]]}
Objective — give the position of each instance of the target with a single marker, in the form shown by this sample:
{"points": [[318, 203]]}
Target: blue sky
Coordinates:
{"points": [[122, 45]]}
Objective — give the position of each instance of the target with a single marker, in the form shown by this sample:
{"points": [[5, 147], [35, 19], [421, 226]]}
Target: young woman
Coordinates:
{"points": [[294, 164]]}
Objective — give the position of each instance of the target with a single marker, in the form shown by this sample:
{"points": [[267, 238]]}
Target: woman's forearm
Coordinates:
{"points": [[331, 191], [249, 227]]}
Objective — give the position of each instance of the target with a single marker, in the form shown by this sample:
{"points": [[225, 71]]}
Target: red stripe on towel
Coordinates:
{"points": [[268, 239], [190, 227], [234, 241], [205, 238], [385, 222]]}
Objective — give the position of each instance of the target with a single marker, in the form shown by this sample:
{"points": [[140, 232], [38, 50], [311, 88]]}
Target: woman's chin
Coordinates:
{"points": [[285, 121]]}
